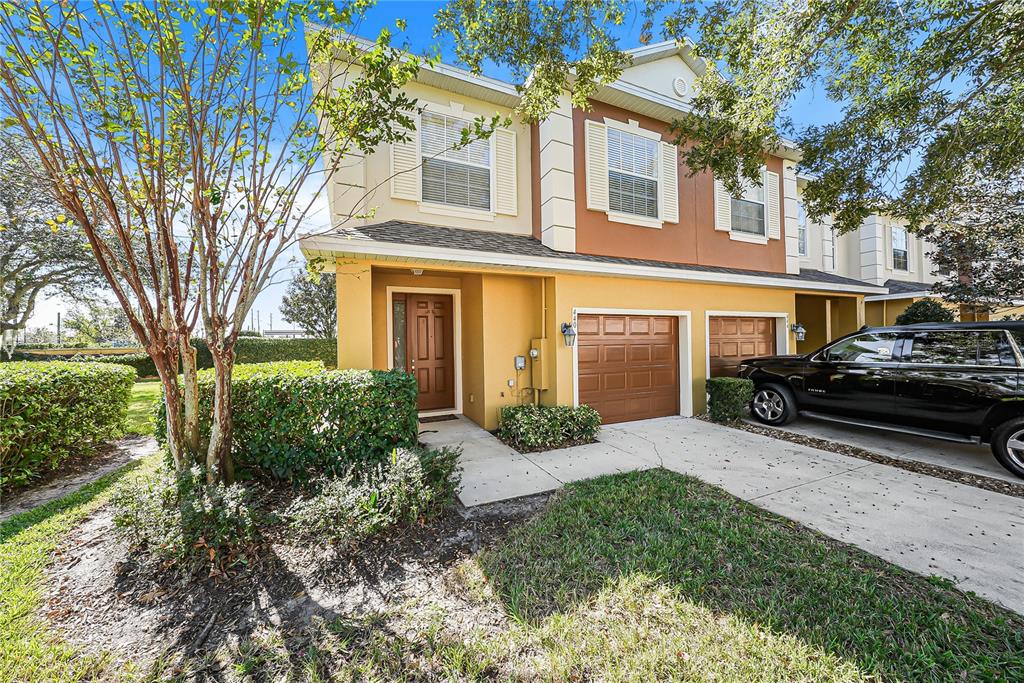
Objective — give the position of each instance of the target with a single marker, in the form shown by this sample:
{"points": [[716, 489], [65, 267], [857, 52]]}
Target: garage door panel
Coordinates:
{"points": [[639, 353], [733, 339], [636, 361]]}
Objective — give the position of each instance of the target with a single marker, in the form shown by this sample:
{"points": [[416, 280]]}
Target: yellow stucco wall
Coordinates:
{"points": [[502, 312], [883, 313]]}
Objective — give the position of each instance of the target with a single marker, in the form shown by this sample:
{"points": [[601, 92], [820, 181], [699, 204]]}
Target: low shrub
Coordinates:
{"points": [[50, 411], [248, 350], [180, 520], [411, 485], [925, 311], [535, 428], [294, 421], [728, 397], [142, 363], [269, 349]]}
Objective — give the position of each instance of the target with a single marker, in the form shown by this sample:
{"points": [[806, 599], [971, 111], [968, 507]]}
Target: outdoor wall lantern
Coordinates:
{"points": [[569, 332], [799, 331]]}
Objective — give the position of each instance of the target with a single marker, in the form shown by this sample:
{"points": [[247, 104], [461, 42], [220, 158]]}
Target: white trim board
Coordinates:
{"points": [[781, 331], [456, 295], [685, 351], [340, 245]]}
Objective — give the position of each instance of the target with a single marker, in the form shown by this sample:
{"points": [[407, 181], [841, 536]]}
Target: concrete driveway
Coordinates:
{"points": [[927, 525], [969, 458]]}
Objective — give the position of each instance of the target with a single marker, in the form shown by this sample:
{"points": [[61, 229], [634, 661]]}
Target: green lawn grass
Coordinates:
{"points": [[140, 407], [28, 651], [654, 575]]}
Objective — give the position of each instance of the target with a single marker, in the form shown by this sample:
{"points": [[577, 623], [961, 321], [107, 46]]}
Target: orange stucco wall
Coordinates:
{"points": [[693, 239]]}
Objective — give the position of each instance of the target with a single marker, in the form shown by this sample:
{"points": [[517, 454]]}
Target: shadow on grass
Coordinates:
{"points": [[653, 537]]}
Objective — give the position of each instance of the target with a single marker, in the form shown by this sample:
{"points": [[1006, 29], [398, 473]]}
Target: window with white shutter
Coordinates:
{"points": [[632, 174], [754, 215], [748, 210], [454, 177]]}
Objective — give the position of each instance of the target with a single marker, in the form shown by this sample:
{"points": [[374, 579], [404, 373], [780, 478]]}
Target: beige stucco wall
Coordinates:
{"points": [[372, 173]]}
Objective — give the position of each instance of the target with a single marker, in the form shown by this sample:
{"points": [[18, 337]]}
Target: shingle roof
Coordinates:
{"points": [[417, 234], [906, 287]]}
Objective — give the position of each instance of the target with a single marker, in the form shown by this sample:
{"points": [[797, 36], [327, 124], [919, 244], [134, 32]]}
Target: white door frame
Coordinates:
{"points": [[456, 295], [685, 351], [781, 331]]}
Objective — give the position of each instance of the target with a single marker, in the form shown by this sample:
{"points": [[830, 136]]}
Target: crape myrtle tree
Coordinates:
{"points": [[926, 88], [41, 250], [195, 138]]}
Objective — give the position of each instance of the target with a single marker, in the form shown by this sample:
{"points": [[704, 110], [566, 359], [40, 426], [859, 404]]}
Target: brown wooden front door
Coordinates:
{"points": [[629, 366], [733, 339], [431, 348]]}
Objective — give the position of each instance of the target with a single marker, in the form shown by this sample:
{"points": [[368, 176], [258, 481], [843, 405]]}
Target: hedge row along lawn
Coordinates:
{"points": [[28, 652], [54, 410], [656, 576]]}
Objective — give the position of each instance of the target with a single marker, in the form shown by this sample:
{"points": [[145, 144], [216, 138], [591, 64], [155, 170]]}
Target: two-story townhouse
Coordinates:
{"points": [[571, 261], [880, 252]]}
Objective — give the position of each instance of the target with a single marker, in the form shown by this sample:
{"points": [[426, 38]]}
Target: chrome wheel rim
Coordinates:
{"points": [[768, 405], [1015, 448]]}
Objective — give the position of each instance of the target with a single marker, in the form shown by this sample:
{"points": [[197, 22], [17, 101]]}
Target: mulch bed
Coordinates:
{"points": [[976, 480], [102, 600]]}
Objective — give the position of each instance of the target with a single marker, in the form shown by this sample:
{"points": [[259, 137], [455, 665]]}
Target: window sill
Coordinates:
{"points": [[639, 221], [748, 237], [455, 211]]}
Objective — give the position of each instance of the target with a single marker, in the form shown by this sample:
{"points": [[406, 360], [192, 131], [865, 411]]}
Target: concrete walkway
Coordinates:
{"points": [[927, 525], [969, 458]]}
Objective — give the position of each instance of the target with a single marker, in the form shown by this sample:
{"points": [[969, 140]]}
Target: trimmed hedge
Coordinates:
{"points": [[539, 428], [728, 397], [295, 420], [247, 350], [52, 410]]}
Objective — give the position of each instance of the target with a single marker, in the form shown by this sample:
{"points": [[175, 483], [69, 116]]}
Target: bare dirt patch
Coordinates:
{"points": [[76, 473], [102, 601]]}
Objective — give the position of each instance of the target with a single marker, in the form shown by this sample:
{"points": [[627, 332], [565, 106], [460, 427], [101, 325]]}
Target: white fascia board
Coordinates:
{"points": [[904, 295], [357, 246]]}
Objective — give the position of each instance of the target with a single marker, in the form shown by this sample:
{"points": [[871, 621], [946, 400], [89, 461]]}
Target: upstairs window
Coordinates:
{"points": [[899, 248], [748, 210], [454, 177], [801, 229], [632, 174]]}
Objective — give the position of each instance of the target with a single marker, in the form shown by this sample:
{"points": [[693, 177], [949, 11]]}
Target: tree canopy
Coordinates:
{"points": [[311, 303], [927, 88], [41, 249]]}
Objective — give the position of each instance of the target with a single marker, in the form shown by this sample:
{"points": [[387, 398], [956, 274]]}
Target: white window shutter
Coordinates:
{"points": [[910, 254], [668, 184], [723, 207], [772, 205], [597, 165], [405, 166], [505, 171]]}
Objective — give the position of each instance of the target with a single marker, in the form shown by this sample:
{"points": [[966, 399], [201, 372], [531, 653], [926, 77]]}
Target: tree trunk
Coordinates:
{"points": [[219, 466], [190, 400], [167, 369]]}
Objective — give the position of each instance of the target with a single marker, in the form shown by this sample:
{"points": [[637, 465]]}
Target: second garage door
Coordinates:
{"points": [[629, 365], [732, 339]]}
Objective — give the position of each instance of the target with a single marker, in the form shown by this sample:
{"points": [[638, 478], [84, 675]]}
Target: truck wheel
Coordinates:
{"points": [[773, 405], [1008, 445]]}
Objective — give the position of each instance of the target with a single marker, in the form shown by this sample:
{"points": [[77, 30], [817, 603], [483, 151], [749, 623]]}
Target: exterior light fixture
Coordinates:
{"points": [[569, 332], [417, 271], [799, 331]]}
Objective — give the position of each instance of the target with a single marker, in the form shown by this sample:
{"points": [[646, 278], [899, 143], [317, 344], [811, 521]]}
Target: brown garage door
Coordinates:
{"points": [[629, 365], [730, 340]]}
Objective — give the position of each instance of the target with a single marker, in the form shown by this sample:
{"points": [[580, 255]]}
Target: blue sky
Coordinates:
{"points": [[809, 108]]}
